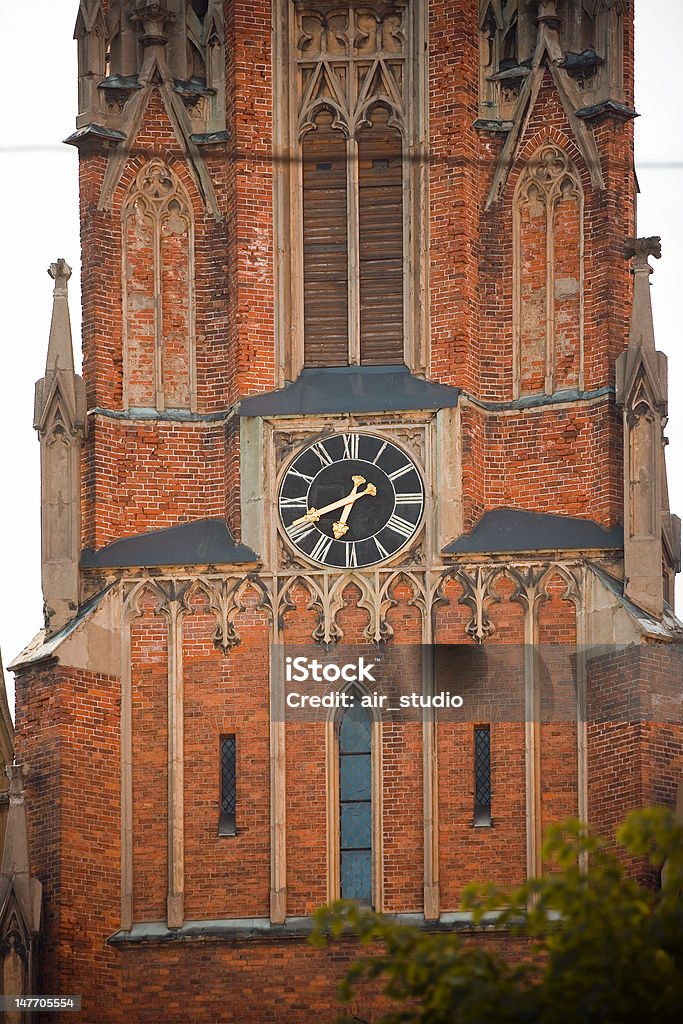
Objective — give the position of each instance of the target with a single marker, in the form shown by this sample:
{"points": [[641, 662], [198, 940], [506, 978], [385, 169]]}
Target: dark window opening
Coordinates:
{"points": [[482, 775], [228, 776], [200, 7]]}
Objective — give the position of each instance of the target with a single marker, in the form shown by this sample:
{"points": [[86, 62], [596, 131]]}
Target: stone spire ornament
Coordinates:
{"points": [[641, 379], [60, 419]]}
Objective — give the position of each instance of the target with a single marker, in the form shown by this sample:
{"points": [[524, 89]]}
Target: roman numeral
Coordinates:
{"points": [[379, 453], [299, 532], [350, 446], [321, 549], [382, 552], [401, 472], [401, 526], [409, 498], [296, 503], [322, 453], [302, 476], [351, 557]]}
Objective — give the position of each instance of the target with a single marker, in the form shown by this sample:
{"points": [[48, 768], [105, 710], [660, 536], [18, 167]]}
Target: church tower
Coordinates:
{"points": [[368, 373]]}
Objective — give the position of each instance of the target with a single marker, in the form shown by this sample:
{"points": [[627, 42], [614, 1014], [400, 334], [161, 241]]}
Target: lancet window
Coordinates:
{"points": [[548, 275], [354, 183], [158, 292]]}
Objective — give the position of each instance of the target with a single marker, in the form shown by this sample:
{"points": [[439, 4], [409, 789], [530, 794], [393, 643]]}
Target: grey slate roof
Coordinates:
{"points": [[203, 542], [351, 389], [511, 529]]}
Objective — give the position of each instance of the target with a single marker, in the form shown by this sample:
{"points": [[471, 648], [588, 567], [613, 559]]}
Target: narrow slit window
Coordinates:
{"points": [[355, 810], [482, 775], [228, 776]]}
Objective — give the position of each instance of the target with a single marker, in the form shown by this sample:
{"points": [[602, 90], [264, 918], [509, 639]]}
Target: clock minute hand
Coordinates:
{"points": [[314, 514]]}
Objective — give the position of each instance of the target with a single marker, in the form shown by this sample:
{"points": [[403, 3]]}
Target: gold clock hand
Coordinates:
{"points": [[340, 528], [314, 514]]}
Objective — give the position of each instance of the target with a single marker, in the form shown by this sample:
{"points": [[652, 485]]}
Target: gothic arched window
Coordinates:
{"points": [[158, 300], [548, 275], [355, 805], [351, 124]]}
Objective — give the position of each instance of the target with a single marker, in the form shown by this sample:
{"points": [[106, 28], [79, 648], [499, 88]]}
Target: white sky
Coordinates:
{"points": [[38, 179]]}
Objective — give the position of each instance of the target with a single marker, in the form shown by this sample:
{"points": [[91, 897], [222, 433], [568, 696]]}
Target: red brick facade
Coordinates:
{"points": [[148, 911]]}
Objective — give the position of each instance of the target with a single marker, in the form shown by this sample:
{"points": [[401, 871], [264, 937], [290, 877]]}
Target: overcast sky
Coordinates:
{"points": [[38, 182]]}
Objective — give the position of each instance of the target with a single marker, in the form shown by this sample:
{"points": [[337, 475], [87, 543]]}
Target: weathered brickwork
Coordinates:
{"points": [[527, 296]]}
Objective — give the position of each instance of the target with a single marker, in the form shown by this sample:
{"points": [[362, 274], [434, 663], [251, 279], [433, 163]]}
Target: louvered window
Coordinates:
{"points": [[353, 243], [326, 253], [351, 183], [353, 70], [227, 822], [380, 217]]}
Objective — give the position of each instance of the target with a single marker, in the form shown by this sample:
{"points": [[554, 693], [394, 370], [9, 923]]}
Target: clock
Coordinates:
{"points": [[351, 500]]}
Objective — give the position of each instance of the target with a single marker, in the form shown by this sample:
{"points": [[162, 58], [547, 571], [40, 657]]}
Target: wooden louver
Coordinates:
{"points": [[325, 262], [330, 335], [380, 188]]}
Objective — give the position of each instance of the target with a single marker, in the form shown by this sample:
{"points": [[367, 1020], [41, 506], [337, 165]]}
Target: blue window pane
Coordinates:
{"points": [[355, 733], [354, 777], [356, 826], [356, 875]]}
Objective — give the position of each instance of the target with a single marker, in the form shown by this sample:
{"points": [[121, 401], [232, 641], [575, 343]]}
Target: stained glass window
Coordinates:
{"points": [[355, 799], [482, 775], [228, 774]]}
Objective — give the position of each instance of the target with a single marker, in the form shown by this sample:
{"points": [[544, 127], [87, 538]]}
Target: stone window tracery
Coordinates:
{"points": [[158, 292], [642, 443], [548, 273]]}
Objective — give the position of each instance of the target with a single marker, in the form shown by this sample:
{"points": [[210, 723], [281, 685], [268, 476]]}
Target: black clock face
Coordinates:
{"points": [[351, 500]]}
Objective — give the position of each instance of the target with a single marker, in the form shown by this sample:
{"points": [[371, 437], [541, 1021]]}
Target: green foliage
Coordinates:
{"points": [[603, 948]]}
